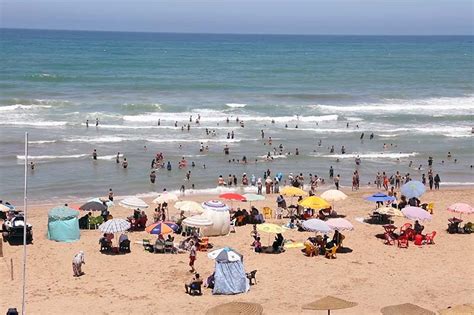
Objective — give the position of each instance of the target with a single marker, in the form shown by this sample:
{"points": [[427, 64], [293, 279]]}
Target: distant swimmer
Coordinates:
{"points": [[343, 150], [94, 154], [347, 125], [97, 122], [168, 166], [320, 142], [297, 152], [371, 136], [125, 163], [357, 160], [191, 118], [262, 133], [449, 155], [362, 136], [227, 120], [159, 122], [87, 123], [226, 150], [332, 149], [117, 158], [32, 165], [232, 135], [176, 124], [152, 177], [286, 125]]}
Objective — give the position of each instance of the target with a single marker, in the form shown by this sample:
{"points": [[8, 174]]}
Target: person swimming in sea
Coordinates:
{"points": [[168, 166], [94, 154], [87, 123], [117, 158], [97, 122], [125, 163]]}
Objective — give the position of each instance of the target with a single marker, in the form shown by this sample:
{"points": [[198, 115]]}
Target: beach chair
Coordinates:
{"points": [[92, 224], [404, 227], [429, 238], [331, 252], [467, 228], [402, 241], [203, 244], [389, 240], [251, 276], [124, 246], [267, 213], [309, 249], [279, 213], [430, 207], [168, 247], [105, 246]]}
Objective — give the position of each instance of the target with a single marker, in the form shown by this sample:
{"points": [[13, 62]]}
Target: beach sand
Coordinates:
{"points": [[374, 275]]}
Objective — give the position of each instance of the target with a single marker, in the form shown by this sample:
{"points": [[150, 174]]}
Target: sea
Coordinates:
{"points": [[415, 94]]}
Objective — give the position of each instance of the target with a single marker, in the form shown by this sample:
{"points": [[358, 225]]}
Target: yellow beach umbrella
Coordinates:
{"points": [[293, 191], [314, 203], [270, 228]]}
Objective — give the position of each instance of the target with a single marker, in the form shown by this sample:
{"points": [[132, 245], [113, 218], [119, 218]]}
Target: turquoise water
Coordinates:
{"points": [[415, 93]]}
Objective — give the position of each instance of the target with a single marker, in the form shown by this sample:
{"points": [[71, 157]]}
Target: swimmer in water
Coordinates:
{"points": [[125, 163], [94, 154]]}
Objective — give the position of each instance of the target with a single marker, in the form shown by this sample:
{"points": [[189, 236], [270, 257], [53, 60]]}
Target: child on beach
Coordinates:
{"points": [[77, 262], [192, 256]]}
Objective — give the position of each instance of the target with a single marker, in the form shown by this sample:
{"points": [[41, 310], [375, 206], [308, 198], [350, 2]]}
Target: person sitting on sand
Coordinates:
{"points": [[106, 239], [257, 245], [338, 238], [278, 243], [194, 284], [210, 281], [403, 202]]}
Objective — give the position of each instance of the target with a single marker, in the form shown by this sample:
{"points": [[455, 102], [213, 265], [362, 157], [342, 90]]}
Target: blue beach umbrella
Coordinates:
{"points": [[413, 188], [380, 197]]}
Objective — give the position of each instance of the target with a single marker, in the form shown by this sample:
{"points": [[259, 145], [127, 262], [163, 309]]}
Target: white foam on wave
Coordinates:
{"points": [[108, 157], [52, 157], [273, 156], [42, 141], [37, 123], [373, 155], [235, 105], [23, 107], [388, 136], [105, 139], [457, 183], [447, 106]]}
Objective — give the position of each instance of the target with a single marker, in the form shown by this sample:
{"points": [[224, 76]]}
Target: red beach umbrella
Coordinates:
{"points": [[232, 196]]}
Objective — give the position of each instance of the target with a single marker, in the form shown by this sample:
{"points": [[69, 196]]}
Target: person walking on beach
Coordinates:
{"points": [[77, 263], [437, 180], [152, 177], [331, 172], [192, 256], [336, 181], [430, 180], [111, 195], [94, 154]]}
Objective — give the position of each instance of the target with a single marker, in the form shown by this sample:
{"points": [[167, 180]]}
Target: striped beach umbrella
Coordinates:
{"points": [[162, 227], [114, 226]]}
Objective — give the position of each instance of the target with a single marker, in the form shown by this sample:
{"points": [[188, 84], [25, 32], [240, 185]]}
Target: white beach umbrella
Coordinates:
{"points": [[333, 195], [340, 224], [190, 207], [114, 226], [197, 221], [165, 197], [134, 203]]}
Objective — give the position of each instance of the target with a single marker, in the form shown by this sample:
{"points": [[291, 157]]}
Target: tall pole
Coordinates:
{"points": [[25, 209]]}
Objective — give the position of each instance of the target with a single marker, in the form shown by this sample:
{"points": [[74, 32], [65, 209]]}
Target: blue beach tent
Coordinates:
{"points": [[63, 225]]}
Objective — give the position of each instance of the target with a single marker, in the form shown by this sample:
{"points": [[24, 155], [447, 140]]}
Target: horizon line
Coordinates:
{"points": [[224, 33]]}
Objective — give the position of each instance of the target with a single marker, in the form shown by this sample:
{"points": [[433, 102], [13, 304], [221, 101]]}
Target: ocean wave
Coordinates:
{"points": [[235, 105], [388, 136], [105, 139], [52, 157], [457, 184], [273, 156], [42, 141], [107, 157], [37, 123], [142, 107], [23, 107], [372, 155], [432, 106]]}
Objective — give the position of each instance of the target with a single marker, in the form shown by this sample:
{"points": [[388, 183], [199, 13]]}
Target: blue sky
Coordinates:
{"points": [[390, 17]]}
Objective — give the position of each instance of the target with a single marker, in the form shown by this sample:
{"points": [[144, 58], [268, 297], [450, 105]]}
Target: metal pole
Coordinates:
{"points": [[25, 209]]}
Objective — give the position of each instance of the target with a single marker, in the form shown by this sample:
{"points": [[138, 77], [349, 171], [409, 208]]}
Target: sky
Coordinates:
{"points": [[371, 17]]}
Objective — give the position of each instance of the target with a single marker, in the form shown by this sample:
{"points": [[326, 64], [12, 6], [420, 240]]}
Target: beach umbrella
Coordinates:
{"points": [[162, 227], [197, 221], [458, 310], [165, 197], [380, 197], [93, 206], [225, 254], [254, 197], [407, 308], [340, 224], [412, 189], [329, 303], [4, 207], [190, 207], [314, 203], [108, 203], [232, 196], [416, 213], [293, 191], [270, 228], [114, 226], [316, 225], [215, 205], [461, 208], [390, 211], [236, 308], [133, 203], [333, 195]]}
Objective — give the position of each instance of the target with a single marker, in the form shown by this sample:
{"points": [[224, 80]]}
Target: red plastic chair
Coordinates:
{"points": [[404, 227], [429, 238], [402, 241], [389, 240], [418, 240]]}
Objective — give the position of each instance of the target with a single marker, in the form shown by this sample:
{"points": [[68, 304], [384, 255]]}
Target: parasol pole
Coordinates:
{"points": [[25, 226]]}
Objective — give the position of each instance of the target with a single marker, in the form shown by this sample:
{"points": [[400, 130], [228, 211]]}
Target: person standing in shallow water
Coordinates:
{"points": [[152, 177], [94, 154], [336, 181]]}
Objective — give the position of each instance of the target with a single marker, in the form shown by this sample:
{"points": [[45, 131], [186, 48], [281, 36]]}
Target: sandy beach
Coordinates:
{"points": [[373, 275]]}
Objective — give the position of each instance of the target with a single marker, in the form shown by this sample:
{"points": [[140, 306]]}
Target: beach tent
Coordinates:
{"points": [[218, 213], [229, 272], [63, 225]]}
